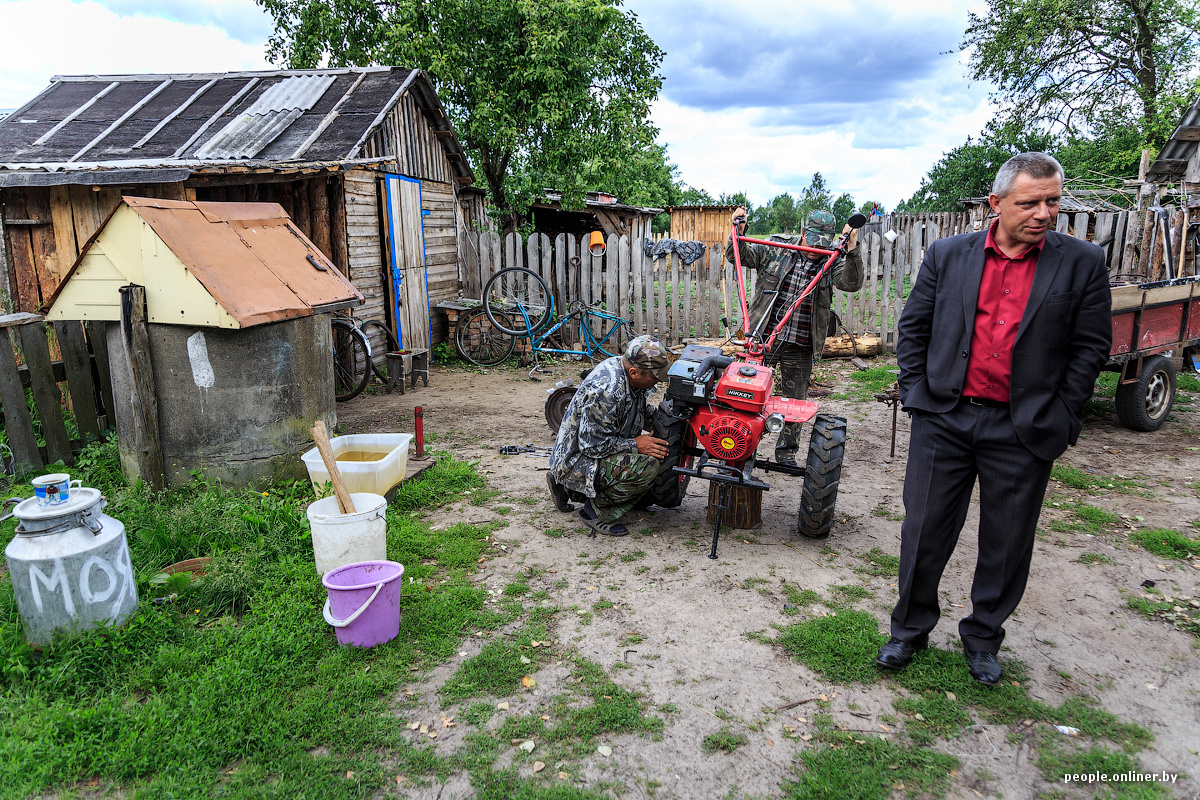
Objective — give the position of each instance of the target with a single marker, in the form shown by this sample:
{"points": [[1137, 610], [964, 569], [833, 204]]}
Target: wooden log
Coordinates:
{"points": [[745, 506], [338, 240], [843, 347], [143, 400], [17, 421]]}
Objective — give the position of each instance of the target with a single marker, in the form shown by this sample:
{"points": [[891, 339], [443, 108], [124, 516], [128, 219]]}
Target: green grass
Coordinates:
{"points": [[241, 670], [864, 767], [1093, 484], [723, 741], [1180, 612], [1167, 543], [867, 383], [879, 564]]}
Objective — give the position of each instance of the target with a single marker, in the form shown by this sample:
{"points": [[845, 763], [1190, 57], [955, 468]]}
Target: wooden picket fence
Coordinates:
{"points": [[678, 301], [76, 385]]}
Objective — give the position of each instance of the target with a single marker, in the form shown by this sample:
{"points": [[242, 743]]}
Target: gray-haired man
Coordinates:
{"points": [[601, 454]]}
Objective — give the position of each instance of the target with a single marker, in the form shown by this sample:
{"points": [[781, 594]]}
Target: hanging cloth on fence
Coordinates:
{"points": [[688, 251]]}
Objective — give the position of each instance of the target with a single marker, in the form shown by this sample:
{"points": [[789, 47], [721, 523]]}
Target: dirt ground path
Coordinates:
{"points": [[690, 615]]}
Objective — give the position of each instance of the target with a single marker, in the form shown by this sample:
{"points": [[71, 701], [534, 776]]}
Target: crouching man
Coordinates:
{"points": [[601, 455]]}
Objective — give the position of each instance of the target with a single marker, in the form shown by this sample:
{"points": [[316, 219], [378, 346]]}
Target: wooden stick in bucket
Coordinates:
{"points": [[321, 437]]}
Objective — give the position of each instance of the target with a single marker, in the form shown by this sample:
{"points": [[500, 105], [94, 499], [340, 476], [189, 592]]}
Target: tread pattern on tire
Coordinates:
{"points": [[670, 487], [822, 474], [1132, 397]]}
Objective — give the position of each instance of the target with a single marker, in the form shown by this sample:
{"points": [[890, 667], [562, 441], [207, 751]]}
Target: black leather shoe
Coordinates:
{"points": [[983, 666], [895, 654]]}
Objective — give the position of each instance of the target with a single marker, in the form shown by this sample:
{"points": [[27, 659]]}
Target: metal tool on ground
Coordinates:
{"points": [[534, 450], [718, 408], [321, 439], [892, 398]]}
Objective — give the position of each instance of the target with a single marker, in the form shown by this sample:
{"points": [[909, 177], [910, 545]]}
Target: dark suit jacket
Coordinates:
{"points": [[1064, 338]]}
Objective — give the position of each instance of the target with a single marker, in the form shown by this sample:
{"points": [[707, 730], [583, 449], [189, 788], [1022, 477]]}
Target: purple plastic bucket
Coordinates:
{"points": [[363, 602]]}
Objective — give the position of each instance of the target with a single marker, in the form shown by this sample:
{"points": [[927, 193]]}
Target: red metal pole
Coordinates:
{"points": [[419, 416]]}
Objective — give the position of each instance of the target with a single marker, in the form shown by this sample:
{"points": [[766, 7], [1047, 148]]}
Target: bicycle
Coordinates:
{"points": [[518, 302], [353, 361]]}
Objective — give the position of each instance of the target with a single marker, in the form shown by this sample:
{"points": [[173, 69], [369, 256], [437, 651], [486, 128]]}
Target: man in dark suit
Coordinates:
{"points": [[999, 347]]}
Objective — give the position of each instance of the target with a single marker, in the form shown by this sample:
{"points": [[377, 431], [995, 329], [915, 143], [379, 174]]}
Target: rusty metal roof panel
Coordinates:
{"points": [[266, 118], [249, 256], [1172, 160]]}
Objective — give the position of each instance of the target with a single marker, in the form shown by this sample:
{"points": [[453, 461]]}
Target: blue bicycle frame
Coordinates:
{"points": [[583, 315]]}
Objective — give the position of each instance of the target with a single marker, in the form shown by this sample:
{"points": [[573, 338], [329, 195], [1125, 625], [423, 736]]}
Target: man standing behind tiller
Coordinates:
{"points": [[999, 347], [789, 272]]}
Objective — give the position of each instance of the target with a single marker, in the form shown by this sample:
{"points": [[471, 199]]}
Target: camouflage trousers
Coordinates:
{"points": [[621, 480], [795, 371]]}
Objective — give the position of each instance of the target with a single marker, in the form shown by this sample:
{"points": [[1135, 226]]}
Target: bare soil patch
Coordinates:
{"points": [[666, 621]]}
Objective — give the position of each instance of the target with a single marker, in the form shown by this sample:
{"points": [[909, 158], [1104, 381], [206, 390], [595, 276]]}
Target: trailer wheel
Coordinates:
{"points": [[1144, 404], [670, 487], [822, 473], [557, 401]]}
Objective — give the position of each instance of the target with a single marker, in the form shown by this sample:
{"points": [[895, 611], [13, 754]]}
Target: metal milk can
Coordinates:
{"points": [[70, 566]]}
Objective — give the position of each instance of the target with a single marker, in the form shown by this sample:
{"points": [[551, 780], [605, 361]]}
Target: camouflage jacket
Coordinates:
{"points": [[605, 417], [774, 264]]}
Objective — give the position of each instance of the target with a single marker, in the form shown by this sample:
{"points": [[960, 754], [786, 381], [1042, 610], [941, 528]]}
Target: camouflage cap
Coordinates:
{"points": [[646, 352], [819, 227]]}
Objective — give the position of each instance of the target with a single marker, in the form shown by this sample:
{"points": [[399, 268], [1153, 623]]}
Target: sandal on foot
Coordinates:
{"points": [[592, 520], [558, 493]]}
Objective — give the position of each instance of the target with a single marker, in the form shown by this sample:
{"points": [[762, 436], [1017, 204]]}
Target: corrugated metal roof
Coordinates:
{"points": [[1172, 160], [87, 122], [250, 131]]}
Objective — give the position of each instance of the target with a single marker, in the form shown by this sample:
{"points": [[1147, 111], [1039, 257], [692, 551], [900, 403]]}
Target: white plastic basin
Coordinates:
{"points": [[377, 475]]}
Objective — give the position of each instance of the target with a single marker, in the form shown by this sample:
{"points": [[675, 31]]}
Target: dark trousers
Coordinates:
{"points": [[795, 372], [947, 452]]}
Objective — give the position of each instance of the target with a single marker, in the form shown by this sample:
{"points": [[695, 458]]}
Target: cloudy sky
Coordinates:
{"points": [[755, 99]]}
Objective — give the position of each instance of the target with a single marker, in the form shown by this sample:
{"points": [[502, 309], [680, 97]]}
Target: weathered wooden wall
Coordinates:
{"points": [[406, 136]]}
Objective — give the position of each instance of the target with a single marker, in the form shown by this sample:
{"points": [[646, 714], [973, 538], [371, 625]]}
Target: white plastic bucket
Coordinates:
{"points": [[340, 539]]}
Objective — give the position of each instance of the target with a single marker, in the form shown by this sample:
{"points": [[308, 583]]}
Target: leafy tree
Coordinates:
{"points": [[815, 196], [782, 214], [692, 196], [542, 93], [1072, 63], [969, 169], [842, 208]]}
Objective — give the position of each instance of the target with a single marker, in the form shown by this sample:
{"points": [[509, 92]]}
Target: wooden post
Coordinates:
{"points": [[144, 401], [745, 506], [46, 396], [337, 225]]}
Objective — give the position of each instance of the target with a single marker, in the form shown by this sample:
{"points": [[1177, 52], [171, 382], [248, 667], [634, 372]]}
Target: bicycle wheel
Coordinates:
{"points": [[518, 293], [374, 327], [351, 360], [479, 341]]}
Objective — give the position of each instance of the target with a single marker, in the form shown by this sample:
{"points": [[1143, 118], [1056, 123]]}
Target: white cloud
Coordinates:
{"points": [[88, 38]]}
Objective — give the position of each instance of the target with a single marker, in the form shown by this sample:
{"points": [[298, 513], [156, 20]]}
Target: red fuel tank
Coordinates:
{"points": [[745, 386]]}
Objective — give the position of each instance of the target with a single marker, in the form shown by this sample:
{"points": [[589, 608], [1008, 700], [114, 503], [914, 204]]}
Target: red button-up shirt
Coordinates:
{"points": [[1003, 293]]}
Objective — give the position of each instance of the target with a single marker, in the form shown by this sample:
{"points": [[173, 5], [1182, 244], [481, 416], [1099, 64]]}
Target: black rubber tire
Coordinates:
{"points": [[822, 473], [390, 345], [557, 401], [479, 341], [669, 486], [510, 290], [1144, 404], [351, 360]]}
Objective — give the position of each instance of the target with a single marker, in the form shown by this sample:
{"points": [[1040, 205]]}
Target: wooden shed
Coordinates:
{"points": [[363, 160], [708, 224]]}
